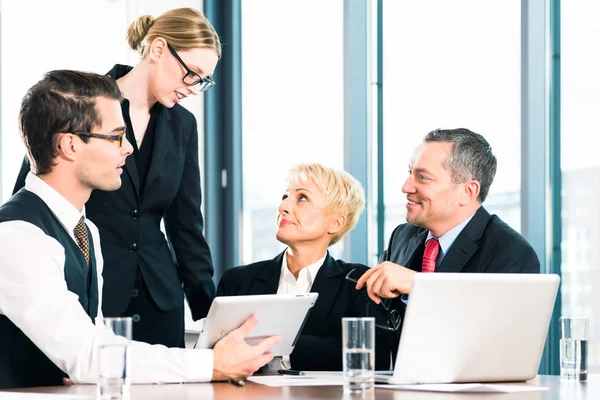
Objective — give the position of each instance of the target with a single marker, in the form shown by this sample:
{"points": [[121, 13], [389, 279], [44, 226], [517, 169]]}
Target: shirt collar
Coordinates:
{"points": [[66, 212], [449, 237], [309, 272]]}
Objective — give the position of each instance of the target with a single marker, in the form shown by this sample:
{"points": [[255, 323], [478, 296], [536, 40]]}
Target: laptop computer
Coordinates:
{"points": [[474, 328]]}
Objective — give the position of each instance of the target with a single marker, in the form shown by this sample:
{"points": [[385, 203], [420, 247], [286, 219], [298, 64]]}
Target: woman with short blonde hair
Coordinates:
{"points": [[319, 206]]}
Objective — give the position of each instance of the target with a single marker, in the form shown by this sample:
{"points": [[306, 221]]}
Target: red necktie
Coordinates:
{"points": [[432, 248]]}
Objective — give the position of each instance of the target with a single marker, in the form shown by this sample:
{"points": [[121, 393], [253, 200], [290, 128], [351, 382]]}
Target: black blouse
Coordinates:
{"points": [[143, 154]]}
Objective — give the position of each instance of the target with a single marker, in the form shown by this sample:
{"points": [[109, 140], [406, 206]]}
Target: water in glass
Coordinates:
{"points": [[358, 369], [573, 359]]}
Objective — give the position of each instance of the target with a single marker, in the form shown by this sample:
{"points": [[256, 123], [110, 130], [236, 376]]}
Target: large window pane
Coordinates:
{"points": [[451, 64], [581, 167], [292, 92]]}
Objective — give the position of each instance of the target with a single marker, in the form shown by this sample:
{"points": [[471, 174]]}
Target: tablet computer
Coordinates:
{"points": [[278, 314]]}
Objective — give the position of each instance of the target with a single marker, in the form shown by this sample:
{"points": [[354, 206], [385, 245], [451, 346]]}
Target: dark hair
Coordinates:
{"points": [[471, 157], [63, 101]]}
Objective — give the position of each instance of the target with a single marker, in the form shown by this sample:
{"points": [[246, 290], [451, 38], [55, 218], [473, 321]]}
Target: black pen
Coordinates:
{"points": [[289, 372], [237, 382]]}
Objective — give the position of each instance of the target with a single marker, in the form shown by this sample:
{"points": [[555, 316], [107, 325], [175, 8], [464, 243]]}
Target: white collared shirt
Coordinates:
{"points": [[288, 284], [34, 296], [447, 239]]}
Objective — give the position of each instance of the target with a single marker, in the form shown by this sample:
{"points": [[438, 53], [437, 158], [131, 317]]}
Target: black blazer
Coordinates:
{"points": [[486, 244], [319, 347], [129, 222]]}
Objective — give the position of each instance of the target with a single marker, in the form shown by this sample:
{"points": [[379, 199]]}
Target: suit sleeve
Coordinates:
{"points": [[385, 256], [184, 224], [25, 168], [329, 349]]}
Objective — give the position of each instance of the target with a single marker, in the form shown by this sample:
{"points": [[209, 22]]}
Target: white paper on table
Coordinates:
{"points": [[41, 396], [466, 387], [310, 379]]}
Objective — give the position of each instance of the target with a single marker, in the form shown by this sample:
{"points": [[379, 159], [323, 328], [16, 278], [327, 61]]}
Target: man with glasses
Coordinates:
{"points": [[447, 229], [51, 270]]}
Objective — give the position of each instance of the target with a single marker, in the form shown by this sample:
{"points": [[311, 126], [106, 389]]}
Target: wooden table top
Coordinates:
{"points": [[558, 390]]}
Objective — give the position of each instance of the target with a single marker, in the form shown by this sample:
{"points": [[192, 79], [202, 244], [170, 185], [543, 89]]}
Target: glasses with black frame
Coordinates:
{"points": [[393, 316], [191, 78], [116, 136]]}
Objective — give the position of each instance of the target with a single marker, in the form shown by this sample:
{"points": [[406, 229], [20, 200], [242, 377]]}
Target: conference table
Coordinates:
{"points": [[558, 390]]}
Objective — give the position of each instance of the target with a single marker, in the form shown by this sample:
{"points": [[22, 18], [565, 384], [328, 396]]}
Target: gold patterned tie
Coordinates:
{"points": [[83, 241]]}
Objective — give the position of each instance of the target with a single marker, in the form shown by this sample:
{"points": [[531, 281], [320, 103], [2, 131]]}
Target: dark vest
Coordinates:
{"points": [[22, 364]]}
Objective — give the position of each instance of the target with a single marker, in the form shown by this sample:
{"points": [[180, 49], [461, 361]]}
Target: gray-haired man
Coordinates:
{"points": [[448, 229]]}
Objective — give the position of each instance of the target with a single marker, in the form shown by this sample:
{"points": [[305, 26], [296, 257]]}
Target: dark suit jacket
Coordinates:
{"points": [[129, 222], [319, 347], [486, 244]]}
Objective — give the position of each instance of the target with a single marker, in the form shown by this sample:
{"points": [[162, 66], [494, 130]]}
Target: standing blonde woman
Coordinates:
{"points": [[146, 273]]}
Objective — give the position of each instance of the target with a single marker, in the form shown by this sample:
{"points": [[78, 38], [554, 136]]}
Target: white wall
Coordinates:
{"points": [[41, 35]]}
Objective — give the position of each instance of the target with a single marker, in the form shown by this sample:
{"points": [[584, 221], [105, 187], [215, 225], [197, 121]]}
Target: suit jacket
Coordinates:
{"points": [[486, 244], [129, 222], [319, 347]]}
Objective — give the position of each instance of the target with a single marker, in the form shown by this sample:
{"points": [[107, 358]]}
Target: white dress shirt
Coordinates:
{"points": [[288, 284], [34, 296]]}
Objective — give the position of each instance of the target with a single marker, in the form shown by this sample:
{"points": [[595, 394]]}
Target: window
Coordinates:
{"points": [[27, 57], [580, 167], [451, 64], [292, 92]]}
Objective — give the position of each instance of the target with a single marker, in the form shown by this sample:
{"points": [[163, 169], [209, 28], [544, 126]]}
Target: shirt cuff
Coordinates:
{"points": [[200, 365]]}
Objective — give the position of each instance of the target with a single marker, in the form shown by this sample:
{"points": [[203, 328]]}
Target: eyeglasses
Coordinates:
{"points": [[117, 136], [393, 316], [191, 78]]}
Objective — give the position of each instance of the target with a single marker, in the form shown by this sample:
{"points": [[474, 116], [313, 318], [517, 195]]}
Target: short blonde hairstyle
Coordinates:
{"points": [[343, 193], [182, 28]]}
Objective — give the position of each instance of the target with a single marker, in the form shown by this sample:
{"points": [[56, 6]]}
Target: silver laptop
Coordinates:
{"points": [[474, 328]]}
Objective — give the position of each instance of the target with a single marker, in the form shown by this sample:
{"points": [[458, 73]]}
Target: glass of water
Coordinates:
{"points": [[574, 348], [113, 358], [358, 346]]}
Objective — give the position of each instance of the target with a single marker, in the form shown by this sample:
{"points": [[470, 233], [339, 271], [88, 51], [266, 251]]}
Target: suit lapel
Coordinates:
{"points": [[163, 136], [327, 283], [466, 243], [414, 251], [267, 280], [130, 166]]}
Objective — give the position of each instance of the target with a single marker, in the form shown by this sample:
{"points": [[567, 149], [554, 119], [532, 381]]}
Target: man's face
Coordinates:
{"points": [[433, 201], [100, 165]]}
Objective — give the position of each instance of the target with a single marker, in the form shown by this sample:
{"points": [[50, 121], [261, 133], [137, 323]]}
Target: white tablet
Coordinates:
{"points": [[278, 314]]}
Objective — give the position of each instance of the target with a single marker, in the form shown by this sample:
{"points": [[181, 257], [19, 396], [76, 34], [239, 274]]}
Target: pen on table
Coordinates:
{"points": [[289, 372], [237, 382]]}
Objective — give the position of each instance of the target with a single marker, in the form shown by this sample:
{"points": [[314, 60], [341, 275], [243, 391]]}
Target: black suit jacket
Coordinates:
{"points": [[319, 347], [129, 222], [486, 244]]}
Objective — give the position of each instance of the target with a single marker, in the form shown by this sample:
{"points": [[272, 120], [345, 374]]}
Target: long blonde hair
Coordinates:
{"points": [[182, 28]]}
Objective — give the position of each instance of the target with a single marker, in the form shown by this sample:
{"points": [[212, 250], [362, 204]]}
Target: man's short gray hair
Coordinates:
{"points": [[471, 157]]}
